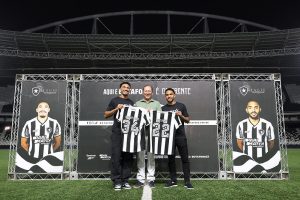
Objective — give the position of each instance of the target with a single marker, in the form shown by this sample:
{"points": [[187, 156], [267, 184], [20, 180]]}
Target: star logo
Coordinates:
{"points": [[261, 131], [49, 130], [244, 90], [36, 91]]}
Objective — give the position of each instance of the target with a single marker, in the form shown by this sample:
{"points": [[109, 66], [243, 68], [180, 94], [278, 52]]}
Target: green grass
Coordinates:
{"points": [[204, 189]]}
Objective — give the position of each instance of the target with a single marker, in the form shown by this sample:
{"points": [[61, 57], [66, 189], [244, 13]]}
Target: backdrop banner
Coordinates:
{"points": [[199, 96], [41, 127], [254, 127]]}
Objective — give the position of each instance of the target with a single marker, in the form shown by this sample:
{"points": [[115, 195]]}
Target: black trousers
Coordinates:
{"points": [[181, 144], [121, 162]]}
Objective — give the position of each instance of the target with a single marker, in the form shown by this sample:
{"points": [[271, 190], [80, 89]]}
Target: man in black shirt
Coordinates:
{"points": [[180, 140], [121, 162]]}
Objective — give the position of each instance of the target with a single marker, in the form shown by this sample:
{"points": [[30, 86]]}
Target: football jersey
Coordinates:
{"points": [[112, 105], [132, 120], [255, 138], [40, 136], [162, 132], [180, 132]]}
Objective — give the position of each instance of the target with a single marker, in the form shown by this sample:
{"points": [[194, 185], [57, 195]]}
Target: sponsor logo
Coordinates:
{"points": [[43, 139], [161, 121], [129, 118], [41, 89], [254, 143], [90, 156], [104, 157], [246, 88]]}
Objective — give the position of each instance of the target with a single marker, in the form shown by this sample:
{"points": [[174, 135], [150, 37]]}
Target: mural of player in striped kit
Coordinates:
{"points": [[40, 150], [255, 140]]}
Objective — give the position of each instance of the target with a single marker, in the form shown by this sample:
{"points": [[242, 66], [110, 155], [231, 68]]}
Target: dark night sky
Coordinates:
{"points": [[21, 15], [24, 14]]}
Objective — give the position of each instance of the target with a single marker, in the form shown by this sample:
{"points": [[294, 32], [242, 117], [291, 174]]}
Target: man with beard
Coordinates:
{"points": [[180, 140], [121, 162], [41, 135], [255, 135]]}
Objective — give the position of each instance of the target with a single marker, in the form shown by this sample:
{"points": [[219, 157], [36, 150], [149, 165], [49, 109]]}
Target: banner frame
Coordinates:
{"points": [[12, 174], [148, 77], [227, 126]]}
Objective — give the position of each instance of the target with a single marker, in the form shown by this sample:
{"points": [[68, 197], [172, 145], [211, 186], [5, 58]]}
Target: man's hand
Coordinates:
{"points": [[119, 106], [179, 113]]}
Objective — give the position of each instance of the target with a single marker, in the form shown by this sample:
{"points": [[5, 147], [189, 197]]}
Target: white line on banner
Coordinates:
{"points": [[110, 123], [96, 123], [201, 122]]}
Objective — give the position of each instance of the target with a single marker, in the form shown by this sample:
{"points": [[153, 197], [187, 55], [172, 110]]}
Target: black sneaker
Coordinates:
{"points": [[138, 184], [126, 186], [151, 184], [189, 186], [117, 187], [170, 184]]}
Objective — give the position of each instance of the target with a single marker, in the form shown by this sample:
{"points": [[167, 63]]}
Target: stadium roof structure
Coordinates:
{"points": [[196, 49]]}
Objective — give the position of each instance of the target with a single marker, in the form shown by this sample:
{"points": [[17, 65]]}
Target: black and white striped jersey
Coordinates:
{"points": [[255, 138], [132, 120], [40, 136], [162, 132]]}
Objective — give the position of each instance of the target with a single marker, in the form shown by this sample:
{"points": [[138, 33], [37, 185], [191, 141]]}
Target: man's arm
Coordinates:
{"points": [[270, 136], [183, 114], [240, 144], [24, 137], [57, 142], [110, 113], [183, 118], [24, 144], [270, 144]]}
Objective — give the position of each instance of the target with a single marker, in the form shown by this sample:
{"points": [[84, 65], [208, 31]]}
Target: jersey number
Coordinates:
{"points": [[156, 130], [126, 127]]}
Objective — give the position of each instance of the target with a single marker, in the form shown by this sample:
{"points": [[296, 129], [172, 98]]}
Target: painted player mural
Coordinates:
{"points": [[40, 135], [255, 142], [41, 140]]}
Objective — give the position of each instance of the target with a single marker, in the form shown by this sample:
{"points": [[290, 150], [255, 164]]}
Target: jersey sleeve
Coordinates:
{"points": [[270, 132], [111, 106], [57, 130], [177, 121], [120, 113], [184, 111], [25, 131], [146, 116], [239, 132]]}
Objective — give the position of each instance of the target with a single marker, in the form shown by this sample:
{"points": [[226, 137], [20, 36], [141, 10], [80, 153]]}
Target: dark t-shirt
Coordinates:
{"points": [[112, 105], [180, 132]]}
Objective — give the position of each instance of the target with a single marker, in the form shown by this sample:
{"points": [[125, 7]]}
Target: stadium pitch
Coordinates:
{"points": [[204, 189]]}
